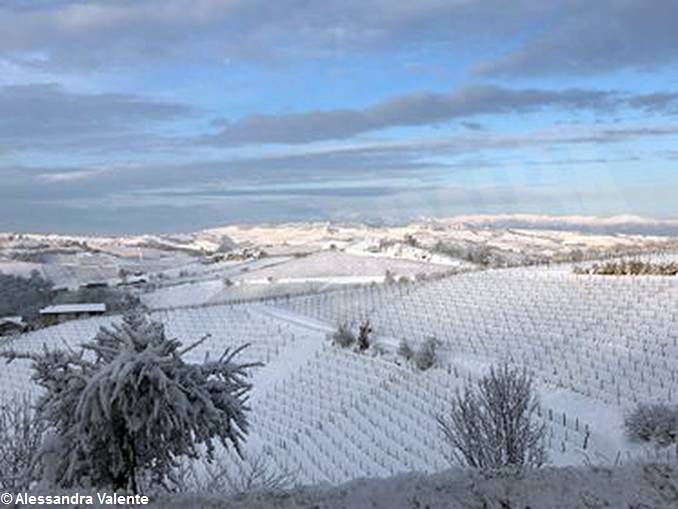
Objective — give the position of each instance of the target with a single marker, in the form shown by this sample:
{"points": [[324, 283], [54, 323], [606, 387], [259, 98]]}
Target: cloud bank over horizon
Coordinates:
{"points": [[167, 115]]}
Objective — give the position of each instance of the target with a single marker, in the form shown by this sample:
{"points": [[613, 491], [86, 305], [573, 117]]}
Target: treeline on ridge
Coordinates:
{"points": [[630, 268]]}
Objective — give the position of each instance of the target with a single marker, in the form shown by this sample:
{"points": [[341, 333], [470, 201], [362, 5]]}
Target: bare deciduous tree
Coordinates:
{"points": [[343, 336], [653, 422], [492, 427], [21, 434]]}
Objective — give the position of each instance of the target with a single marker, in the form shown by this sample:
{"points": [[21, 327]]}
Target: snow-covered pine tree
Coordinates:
{"points": [[128, 405]]}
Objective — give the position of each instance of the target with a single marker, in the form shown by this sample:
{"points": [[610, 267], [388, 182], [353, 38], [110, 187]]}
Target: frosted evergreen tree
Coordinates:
{"points": [[128, 405]]}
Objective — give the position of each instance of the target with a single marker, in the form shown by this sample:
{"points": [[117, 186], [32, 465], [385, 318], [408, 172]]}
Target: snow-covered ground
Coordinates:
{"points": [[183, 294], [280, 276], [334, 265], [596, 346], [75, 260], [630, 486], [633, 486]]}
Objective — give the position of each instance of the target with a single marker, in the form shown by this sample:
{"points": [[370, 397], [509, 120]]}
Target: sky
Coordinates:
{"points": [[134, 116]]}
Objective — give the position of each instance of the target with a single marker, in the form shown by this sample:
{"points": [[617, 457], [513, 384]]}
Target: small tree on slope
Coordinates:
{"points": [[133, 406], [491, 427], [364, 336]]}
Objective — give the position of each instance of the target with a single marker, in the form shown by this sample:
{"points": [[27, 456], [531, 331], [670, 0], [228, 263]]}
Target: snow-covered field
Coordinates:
{"points": [[332, 265], [596, 345], [268, 277], [183, 294], [624, 487]]}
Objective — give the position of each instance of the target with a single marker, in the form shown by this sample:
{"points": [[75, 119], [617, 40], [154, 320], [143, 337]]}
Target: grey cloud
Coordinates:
{"points": [[412, 110], [45, 115], [382, 161], [395, 205], [484, 142], [89, 34], [165, 197], [49, 109], [658, 102], [560, 36], [293, 128], [595, 37], [473, 126]]}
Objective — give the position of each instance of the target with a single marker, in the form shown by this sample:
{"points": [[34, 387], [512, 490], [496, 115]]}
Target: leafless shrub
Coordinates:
{"points": [[343, 336], [405, 350], [491, 426], [234, 477], [257, 475], [21, 434], [421, 276], [426, 355], [364, 335], [656, 422]]}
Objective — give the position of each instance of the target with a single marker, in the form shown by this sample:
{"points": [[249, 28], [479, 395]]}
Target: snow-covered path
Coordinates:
{"points": [[290, 359], [292, 317]]}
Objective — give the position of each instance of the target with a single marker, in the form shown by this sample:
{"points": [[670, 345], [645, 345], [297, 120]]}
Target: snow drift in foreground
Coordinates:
{"points": [[632, 486], [647, 486]]}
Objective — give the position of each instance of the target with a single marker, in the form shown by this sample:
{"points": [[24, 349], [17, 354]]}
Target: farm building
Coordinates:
{"points": [[62, 312], [11, 325]]}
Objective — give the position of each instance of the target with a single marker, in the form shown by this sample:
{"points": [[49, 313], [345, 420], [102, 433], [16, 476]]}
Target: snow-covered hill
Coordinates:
{"points": [[596, 345], [529, 234]]}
